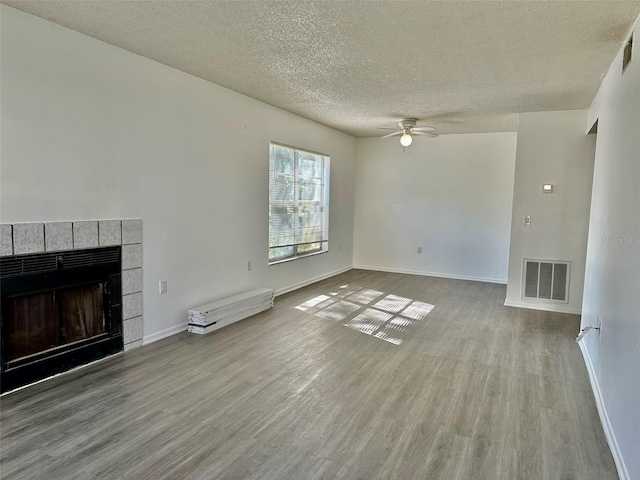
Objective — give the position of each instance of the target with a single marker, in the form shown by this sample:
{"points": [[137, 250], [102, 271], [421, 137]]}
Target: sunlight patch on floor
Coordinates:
{"points": [[338, 311], [369, 321], [393, 303], [385, 316], [312, 303]]}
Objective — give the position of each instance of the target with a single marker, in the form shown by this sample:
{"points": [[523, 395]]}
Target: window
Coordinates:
{"points": [[298, 203]]}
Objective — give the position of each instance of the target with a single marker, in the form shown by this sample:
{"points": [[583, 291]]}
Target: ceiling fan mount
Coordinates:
{"points": [[408, 123]]}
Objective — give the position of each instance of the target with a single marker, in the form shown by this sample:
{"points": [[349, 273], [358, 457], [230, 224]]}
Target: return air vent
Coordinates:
{"points": [[545, 281]]}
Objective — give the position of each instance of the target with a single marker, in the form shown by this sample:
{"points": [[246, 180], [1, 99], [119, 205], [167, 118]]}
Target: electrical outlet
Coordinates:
{"points": [[162, 287], [248, 265], [419, 249], [527, 220]]}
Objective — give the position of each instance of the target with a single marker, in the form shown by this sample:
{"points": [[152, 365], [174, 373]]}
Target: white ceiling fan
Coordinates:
{"points": [[407, 128]]}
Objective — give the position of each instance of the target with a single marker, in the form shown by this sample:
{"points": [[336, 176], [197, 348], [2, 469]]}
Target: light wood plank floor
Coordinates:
{"points": [[468, 390]]}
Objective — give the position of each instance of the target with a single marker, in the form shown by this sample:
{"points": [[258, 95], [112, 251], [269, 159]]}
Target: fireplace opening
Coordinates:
{"points": [[59, 311], [42, 321]]}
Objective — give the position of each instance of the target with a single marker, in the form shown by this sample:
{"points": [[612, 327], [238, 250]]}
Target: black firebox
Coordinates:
{"points": [[59, 311]]}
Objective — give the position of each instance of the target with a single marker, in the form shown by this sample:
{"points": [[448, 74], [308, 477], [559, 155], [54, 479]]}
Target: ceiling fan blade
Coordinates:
{"points": [[387, 128], [426, 128], [428, 134], [392, 134]]}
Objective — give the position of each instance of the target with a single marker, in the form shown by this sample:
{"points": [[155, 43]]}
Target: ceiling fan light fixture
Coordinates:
{"points": [[405, 140]]}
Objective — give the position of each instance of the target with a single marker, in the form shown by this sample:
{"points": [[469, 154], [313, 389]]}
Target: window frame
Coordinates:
{"points": [[324, 202]]}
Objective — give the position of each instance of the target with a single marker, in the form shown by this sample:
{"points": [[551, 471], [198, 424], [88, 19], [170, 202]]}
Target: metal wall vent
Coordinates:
{"points": [[546, 281], [48, 262]]}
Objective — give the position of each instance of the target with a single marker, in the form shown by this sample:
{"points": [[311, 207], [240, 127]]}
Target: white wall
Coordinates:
{"points": [[90, 131], [612, 283], [450, 195], [552, 148]]}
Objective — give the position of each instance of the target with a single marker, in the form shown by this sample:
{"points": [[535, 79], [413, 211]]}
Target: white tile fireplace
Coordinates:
{"points": [[24, 241]]}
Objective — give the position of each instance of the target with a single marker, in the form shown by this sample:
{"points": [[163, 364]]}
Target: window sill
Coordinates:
{"points": [[298, 257]]}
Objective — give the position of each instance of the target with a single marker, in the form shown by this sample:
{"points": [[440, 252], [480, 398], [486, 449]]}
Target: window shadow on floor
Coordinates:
{"points": [[382, 315]]}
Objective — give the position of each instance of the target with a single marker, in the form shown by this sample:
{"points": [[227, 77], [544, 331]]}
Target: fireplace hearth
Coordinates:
{"points": [[59, 311]]}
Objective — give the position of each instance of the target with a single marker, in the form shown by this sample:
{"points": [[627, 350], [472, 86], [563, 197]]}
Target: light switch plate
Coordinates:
{"points": [[527, 220], [162, 287]]}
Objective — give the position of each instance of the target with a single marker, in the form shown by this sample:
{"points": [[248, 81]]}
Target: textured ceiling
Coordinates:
{"points": [[355, 66]]}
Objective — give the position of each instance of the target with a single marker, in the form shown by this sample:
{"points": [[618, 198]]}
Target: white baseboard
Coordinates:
{"points": [[291, 288], [432, 274], [604, 417], [556, 308], [167, 332]]}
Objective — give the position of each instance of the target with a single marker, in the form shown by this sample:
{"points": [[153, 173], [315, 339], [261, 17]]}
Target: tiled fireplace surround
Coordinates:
{"points": [[23, 238]]}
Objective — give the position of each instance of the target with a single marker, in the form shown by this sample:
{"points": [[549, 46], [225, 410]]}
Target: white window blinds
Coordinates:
{"points": [[298, 202]]}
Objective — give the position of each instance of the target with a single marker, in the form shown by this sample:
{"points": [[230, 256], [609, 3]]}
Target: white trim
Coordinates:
{"points": [[623, 473], [550, 307], [432, 274], [167, 332], [296, 286], [305, 150]]}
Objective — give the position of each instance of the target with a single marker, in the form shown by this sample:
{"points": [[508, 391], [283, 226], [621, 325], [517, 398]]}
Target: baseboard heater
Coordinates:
{"points": [[212, 316]]}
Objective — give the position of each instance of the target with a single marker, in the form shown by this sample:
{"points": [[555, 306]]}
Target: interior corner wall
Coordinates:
{"points": [[91, 131], [612, 282], [553, 147], [450, 195]]}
